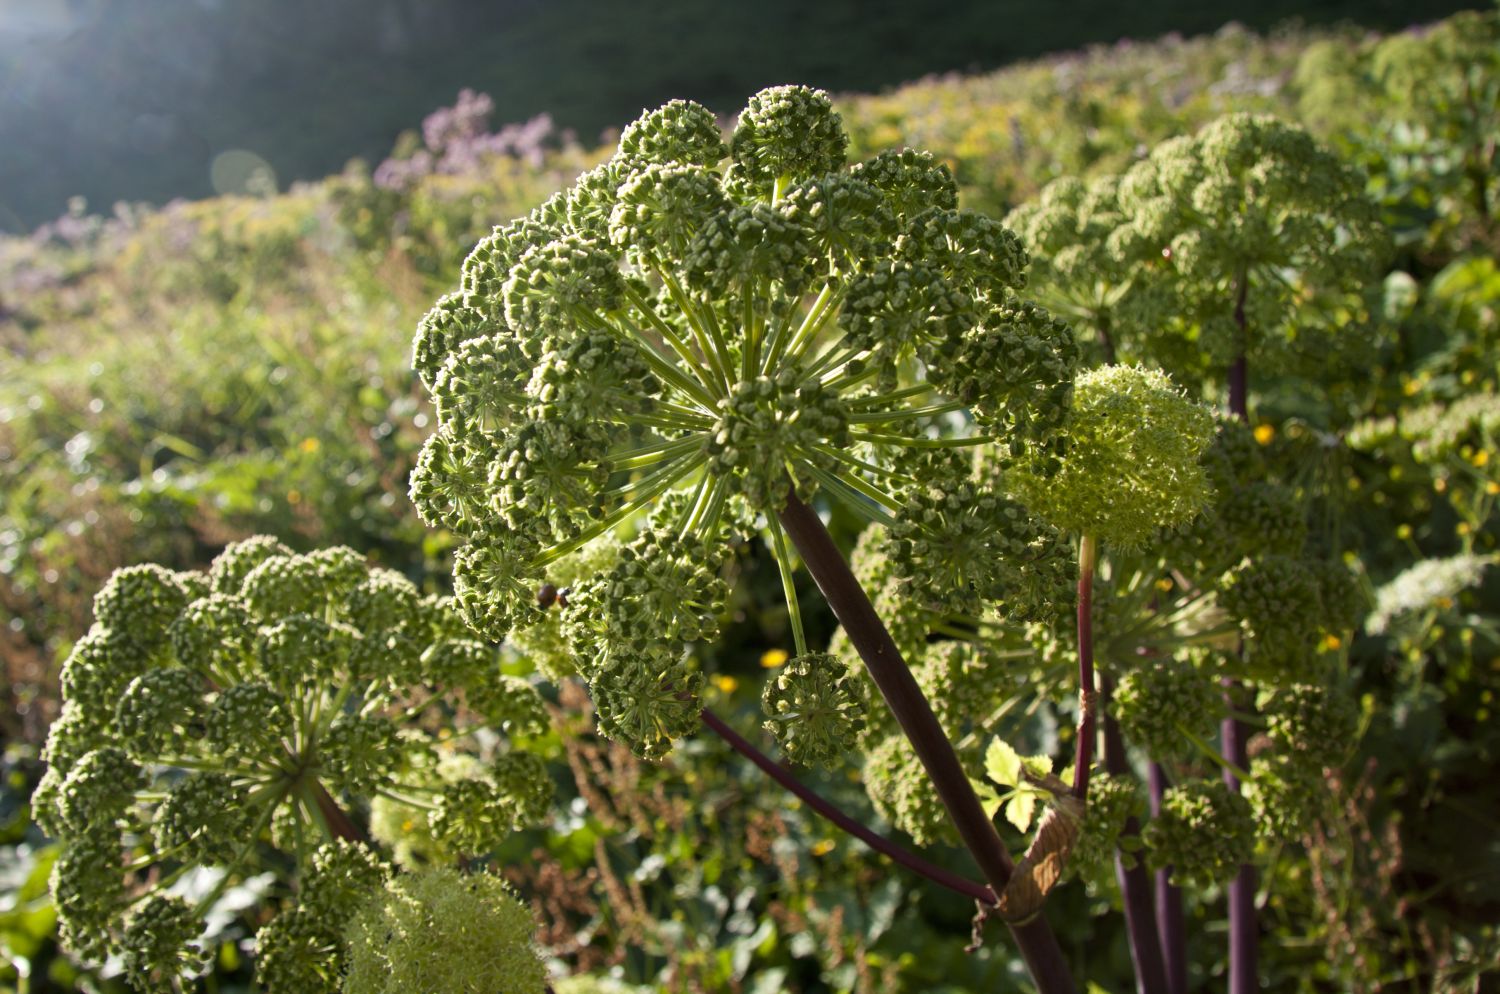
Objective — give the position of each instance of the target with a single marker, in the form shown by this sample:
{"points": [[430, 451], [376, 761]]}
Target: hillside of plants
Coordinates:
{"points": [[1293, 604]]}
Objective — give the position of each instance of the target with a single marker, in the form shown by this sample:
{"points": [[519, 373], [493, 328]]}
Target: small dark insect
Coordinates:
{"points": [[547, 595]]}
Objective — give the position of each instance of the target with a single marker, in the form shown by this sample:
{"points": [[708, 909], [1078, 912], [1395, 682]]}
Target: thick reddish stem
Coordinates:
{"points": [[339, 823], [1135, 880], [1169, 918], [912, 711]]}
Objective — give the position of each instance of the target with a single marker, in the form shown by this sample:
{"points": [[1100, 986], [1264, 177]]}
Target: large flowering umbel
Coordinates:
{"points": [[704, 328], [1130, 461], [1246, 238], [213, 718], [439, 930]]}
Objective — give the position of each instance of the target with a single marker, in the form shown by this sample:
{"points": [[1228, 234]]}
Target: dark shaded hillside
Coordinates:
{"points": [[133, 101]]}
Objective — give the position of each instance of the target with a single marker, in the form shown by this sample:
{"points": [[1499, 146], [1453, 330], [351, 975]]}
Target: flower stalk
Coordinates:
{"points": [[850, 604]]}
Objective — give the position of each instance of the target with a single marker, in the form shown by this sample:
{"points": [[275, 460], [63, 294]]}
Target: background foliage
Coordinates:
{"points": [[95, 104]]}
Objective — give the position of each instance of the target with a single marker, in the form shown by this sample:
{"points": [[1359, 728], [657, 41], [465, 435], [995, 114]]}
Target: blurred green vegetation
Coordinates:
{"points": [[172, 379], [132, 102]]}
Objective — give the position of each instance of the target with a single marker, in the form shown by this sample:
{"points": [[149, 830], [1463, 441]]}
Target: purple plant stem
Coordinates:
{"points": [[1170, 924], [859, 830], [1244, 931], [1135, 880], [850, 604], [1243, 928], [339, 822]]}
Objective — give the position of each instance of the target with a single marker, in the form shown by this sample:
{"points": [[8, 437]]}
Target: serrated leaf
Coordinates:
{"points": [[988, 799], [1002, 764], [1038, 766], [1020, 810]]}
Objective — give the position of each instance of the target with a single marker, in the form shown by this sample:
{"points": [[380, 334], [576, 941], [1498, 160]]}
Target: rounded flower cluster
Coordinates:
{"points": [[1160, 699], [694, 332], [1276, 601], [1263, 224], [1113, 800], [1092, 261], [210, 719], [1252, 514], [1313, 720], [1287, 794], [816, 708], [1130, 463], [1248, 237], [1204, 832], [962, 547], [439, 930], [1438, 431], [966, 683], [303, 948], [903, 795]]}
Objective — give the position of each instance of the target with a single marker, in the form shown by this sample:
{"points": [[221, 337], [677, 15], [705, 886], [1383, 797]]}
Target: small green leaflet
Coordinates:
{"points": [[1006, 767], [1003, 764]]}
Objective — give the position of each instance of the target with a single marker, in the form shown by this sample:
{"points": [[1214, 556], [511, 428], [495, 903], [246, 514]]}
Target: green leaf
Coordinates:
{"points": [[1038, 766], [1002, 764], [988, 799], [1019, 811]]}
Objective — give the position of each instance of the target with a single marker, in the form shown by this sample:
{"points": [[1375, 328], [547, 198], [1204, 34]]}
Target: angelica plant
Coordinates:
{"points": [[1265, 243], [238, 720], [1246, 244], [697, 339]]}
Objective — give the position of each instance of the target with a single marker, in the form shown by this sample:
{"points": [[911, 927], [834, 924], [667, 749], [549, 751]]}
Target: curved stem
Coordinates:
{"points": [[788, 587], [912, 711], [820, 804]]}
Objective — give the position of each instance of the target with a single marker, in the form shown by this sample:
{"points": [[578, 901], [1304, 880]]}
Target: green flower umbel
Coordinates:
{"points": [[1131, 459], [695, 339], [210, 720]]}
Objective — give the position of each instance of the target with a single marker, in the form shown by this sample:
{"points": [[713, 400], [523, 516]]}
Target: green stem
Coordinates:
{"points": [[833, 359], [869, 467], [660, 364], [920, 443], [780, 339], [705, 332], [889, 399], [1212, 754], [931, 411], [788, 587], [648, 489], [251, 841], [779, 188], [648, 455], [670, 336], [1087, 556], [858, 502], [813, 325], [694, 507]]}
